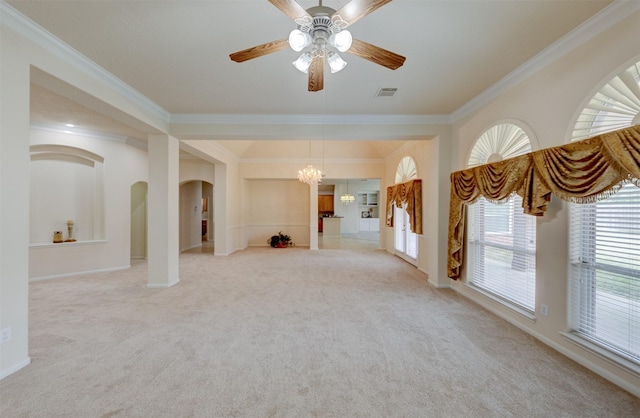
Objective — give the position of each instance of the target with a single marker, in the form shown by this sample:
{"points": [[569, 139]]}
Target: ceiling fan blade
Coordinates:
{"points": [[376, 54], [291, 8], [260, 50], [357, 9], [316, 74]]}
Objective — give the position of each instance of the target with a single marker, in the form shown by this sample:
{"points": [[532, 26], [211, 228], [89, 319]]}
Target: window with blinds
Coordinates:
{"points": [[502, 239], [502, 251], [604, 237], [605, 272]]}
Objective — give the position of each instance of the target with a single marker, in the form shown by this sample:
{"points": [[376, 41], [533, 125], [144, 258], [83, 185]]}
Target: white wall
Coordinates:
{"points": [[548, 102], [274, 206]]}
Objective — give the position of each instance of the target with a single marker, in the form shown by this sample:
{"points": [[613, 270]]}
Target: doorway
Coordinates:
{"points": [[406, 241]]}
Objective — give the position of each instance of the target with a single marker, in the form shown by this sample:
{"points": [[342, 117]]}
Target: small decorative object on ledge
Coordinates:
{"points": [[280, 241], [70, 230], [57, 237]]}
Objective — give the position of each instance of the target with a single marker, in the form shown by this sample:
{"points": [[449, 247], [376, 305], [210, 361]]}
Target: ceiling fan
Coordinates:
{"points": [[323, 29]]}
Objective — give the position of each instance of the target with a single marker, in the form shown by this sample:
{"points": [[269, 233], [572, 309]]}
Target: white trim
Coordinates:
{"points": [[190, 248], [314, 161], [436, 284], [308, 119], [77, 132], [503, 302], [79, 273], [162, 286], [624, 384], [603, 353], [598, 23], [15, 368], [40, 36]]}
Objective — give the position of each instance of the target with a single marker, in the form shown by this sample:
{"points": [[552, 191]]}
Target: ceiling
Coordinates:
{"points": [[176, 53]]}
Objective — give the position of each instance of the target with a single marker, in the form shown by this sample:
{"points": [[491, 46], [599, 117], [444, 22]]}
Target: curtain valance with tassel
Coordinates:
{"points": [[410, 193], [580, 172]]}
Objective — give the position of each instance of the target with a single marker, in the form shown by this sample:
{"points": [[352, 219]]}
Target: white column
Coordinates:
{"points": [[220, 200], [14, 206], [313, 217], [163, 218]]}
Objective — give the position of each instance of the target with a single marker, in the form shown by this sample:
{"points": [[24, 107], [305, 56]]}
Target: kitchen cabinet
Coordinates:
{"points": [[368, 199], [325, 203], [370, 225]]}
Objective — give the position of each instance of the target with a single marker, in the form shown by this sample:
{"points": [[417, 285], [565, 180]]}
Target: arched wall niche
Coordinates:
{"points": [[67, 184]]}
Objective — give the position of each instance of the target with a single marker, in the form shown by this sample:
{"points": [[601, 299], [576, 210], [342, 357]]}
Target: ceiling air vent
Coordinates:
{"points": [[386, 92]]}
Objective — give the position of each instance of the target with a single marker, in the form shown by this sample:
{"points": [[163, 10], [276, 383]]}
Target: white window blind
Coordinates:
{"points": [[605, 272], [502, 244]]}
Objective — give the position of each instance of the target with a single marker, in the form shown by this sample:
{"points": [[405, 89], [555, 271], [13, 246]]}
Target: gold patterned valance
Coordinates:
{"points": [[410, 193], [580, 172]]}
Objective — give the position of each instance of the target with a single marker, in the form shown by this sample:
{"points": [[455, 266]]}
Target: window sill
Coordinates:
{"points": [[512, 306], [602, 352], [65, 244]]}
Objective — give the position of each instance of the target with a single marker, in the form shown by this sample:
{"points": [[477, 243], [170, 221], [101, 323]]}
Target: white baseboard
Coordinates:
{"points": [[11, 370], [162, 285], [192, 247], [79, 273], [561, 349]]}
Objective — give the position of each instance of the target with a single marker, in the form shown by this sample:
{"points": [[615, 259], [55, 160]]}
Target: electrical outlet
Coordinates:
{"points": [[544, 310], [5, 335]]}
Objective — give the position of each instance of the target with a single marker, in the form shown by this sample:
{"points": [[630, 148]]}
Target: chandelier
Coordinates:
{"points": [[322, 32], [310, 175], [347, 198]]}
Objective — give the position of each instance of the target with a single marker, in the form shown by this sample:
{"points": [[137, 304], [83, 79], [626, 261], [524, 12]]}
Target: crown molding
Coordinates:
{"points": [[80, 132], [40, 36], [308, 119], [313, 161], [592, 27]]}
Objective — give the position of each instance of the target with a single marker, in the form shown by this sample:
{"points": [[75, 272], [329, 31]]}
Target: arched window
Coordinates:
{"points": [[501, 238], [406, 170], [604, 237]]}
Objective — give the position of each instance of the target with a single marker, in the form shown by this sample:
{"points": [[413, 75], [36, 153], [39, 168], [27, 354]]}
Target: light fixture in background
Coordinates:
{"points": [[310, 175], [347, 198]]}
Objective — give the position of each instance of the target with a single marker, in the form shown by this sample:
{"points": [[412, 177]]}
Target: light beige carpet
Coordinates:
{"points": [[288, 333]]}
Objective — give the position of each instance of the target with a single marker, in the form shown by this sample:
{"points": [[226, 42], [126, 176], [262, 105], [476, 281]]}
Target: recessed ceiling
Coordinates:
{"points": [[177, 52]]}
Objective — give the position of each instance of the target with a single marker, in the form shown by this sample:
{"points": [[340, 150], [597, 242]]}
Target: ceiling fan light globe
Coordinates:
{"points": [[303, 62], [298, 40], [341, 40], [336, 63]]}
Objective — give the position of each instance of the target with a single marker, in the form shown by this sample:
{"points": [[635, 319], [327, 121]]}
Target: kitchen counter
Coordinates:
{"points": [[332, 226]]}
